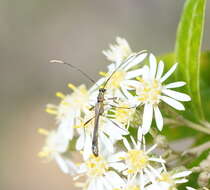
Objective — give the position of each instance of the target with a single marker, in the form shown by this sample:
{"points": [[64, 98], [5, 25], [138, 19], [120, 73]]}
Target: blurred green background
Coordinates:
{"points": [[34, 31]]}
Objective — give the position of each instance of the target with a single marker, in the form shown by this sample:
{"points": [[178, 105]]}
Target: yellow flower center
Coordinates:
{"points": [[136, 160], [166, 177], [123, 113], [149, 91], [77, 100], [116, 79], [97, 166]]}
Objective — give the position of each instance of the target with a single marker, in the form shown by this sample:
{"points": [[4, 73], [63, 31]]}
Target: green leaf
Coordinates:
{"points": [[187, 51]]}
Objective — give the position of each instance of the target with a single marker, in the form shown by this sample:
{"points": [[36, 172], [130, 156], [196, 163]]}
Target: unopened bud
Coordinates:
{"points": [[203, 179], [161, 141]]}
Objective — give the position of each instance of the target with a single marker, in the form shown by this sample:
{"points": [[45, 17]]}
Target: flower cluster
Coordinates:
{"points": [[135, 87]]}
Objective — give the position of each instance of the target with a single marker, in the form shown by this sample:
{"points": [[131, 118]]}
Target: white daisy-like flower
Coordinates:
{"points": [[151, 91], [118, 52], [121, 76], [109, 131], [139, 161], [71, 107], [100, 174], [122, 111], [55, 145], [173, 178], [137, 184]]}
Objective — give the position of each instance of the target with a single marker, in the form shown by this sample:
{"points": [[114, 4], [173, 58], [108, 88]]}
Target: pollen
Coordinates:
{"points": [[149, 92], [97, 166], [136, 160]]}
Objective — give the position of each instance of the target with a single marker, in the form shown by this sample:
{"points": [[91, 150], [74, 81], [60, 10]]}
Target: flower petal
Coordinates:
{"points": [[133, 74], [171, 70], [181, 174], [135, 61], [176, 95], [147, 118], [181, 181], [160, 70], [170, 101], [153, 65], [175, 84], [127, 145], [158, 118]]}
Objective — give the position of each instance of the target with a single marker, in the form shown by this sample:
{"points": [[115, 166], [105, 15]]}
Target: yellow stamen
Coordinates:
{"points": [[137, 160], [51, 111], [140, 79], [71, 86], [104, 74], [60, 95], [43, 131], [97, 166]]}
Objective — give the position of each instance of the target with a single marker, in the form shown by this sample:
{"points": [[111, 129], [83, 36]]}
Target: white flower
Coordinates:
{"points": [[120, 76], [118, 52], [138, 160], [173, 178], [71, 107], [151, 91], [100, 173], [123, 111], [55, 145], [108, 132], [139, 183]]}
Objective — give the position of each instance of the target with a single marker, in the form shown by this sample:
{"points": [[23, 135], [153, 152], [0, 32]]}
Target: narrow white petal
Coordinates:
{"points": [[125, 142], [92, 185], [181, 181], [171, 70], [116, 157], [136, 60], [130, 84], [181, 174], [190, 188], [114, 179], [80, 142], [158, 118], [106, 142], [118, 166], [140, 135], [126, 93], [133, 141], [154, 171], [160, 70], [153, 65], [175, 104], [175, 84], [133, 74], [61, 163], [146, 72], [157, 160], [176, 95], [147, 118], [151, 148]]}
